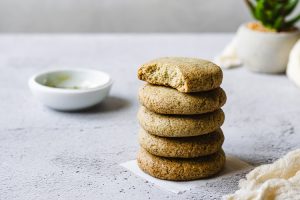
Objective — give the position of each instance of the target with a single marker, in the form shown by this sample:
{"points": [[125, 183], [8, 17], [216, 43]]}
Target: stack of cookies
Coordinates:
{"points": [[181, 116]]}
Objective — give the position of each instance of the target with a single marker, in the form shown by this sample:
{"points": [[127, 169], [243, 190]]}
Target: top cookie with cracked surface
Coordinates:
{"points": [[184, 74]]}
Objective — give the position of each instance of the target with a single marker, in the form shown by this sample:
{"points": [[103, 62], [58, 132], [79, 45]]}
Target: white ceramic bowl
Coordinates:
{"points": [[70, 89], [266, 52]]}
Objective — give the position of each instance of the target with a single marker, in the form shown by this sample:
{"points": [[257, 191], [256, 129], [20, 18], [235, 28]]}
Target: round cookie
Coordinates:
{"points": [[183, 74], [180, 125], [166, 100], [188, 147], [181, 169]]}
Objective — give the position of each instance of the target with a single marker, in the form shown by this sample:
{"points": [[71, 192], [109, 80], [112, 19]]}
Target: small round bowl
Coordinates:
{"points": [[70, 89]]}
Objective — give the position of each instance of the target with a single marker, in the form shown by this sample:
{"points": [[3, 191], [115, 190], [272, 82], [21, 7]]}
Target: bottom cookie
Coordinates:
{"points": [[181, 169]]}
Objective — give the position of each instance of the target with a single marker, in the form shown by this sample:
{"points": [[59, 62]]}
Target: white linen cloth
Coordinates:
{"points": [[279, 180], [293, 68], [229, 58]]}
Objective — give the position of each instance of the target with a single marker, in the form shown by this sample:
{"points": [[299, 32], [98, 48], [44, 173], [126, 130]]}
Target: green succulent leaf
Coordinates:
{"points": [[273, 13], [278, 23], [269, 15], [290, 6], [251, 7], [260, 12], [291, 22], [278, 10]]}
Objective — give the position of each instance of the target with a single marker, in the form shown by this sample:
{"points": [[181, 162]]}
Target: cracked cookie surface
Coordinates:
{"points": [[179, 125], [187, 147], [184, 74], [166, 100], [181, 169]]}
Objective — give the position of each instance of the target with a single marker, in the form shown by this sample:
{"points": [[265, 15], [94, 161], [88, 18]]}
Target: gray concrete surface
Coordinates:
{"points": [[45, 154]]}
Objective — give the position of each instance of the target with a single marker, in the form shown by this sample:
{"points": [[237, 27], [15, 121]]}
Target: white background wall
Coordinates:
{"points": [[122, 15]]}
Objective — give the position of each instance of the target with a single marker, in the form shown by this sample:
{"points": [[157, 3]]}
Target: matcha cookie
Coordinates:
{"points": [[187, 147], [181, 169], [184, 74], [166, 100], [180, 125]]}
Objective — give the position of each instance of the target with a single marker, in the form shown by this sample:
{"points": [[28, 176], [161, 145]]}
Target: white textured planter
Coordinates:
{"points": [[266, 52]]}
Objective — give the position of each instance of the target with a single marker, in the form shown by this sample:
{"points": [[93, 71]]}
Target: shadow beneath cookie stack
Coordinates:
{"points": [[180, 118]]}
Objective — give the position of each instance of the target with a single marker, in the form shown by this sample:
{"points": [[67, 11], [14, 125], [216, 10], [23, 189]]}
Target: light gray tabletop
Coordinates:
{"points": [[45, 154]]}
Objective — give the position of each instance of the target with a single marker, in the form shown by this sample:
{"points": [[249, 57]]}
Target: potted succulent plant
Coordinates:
{"points": [[264, 45]]}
